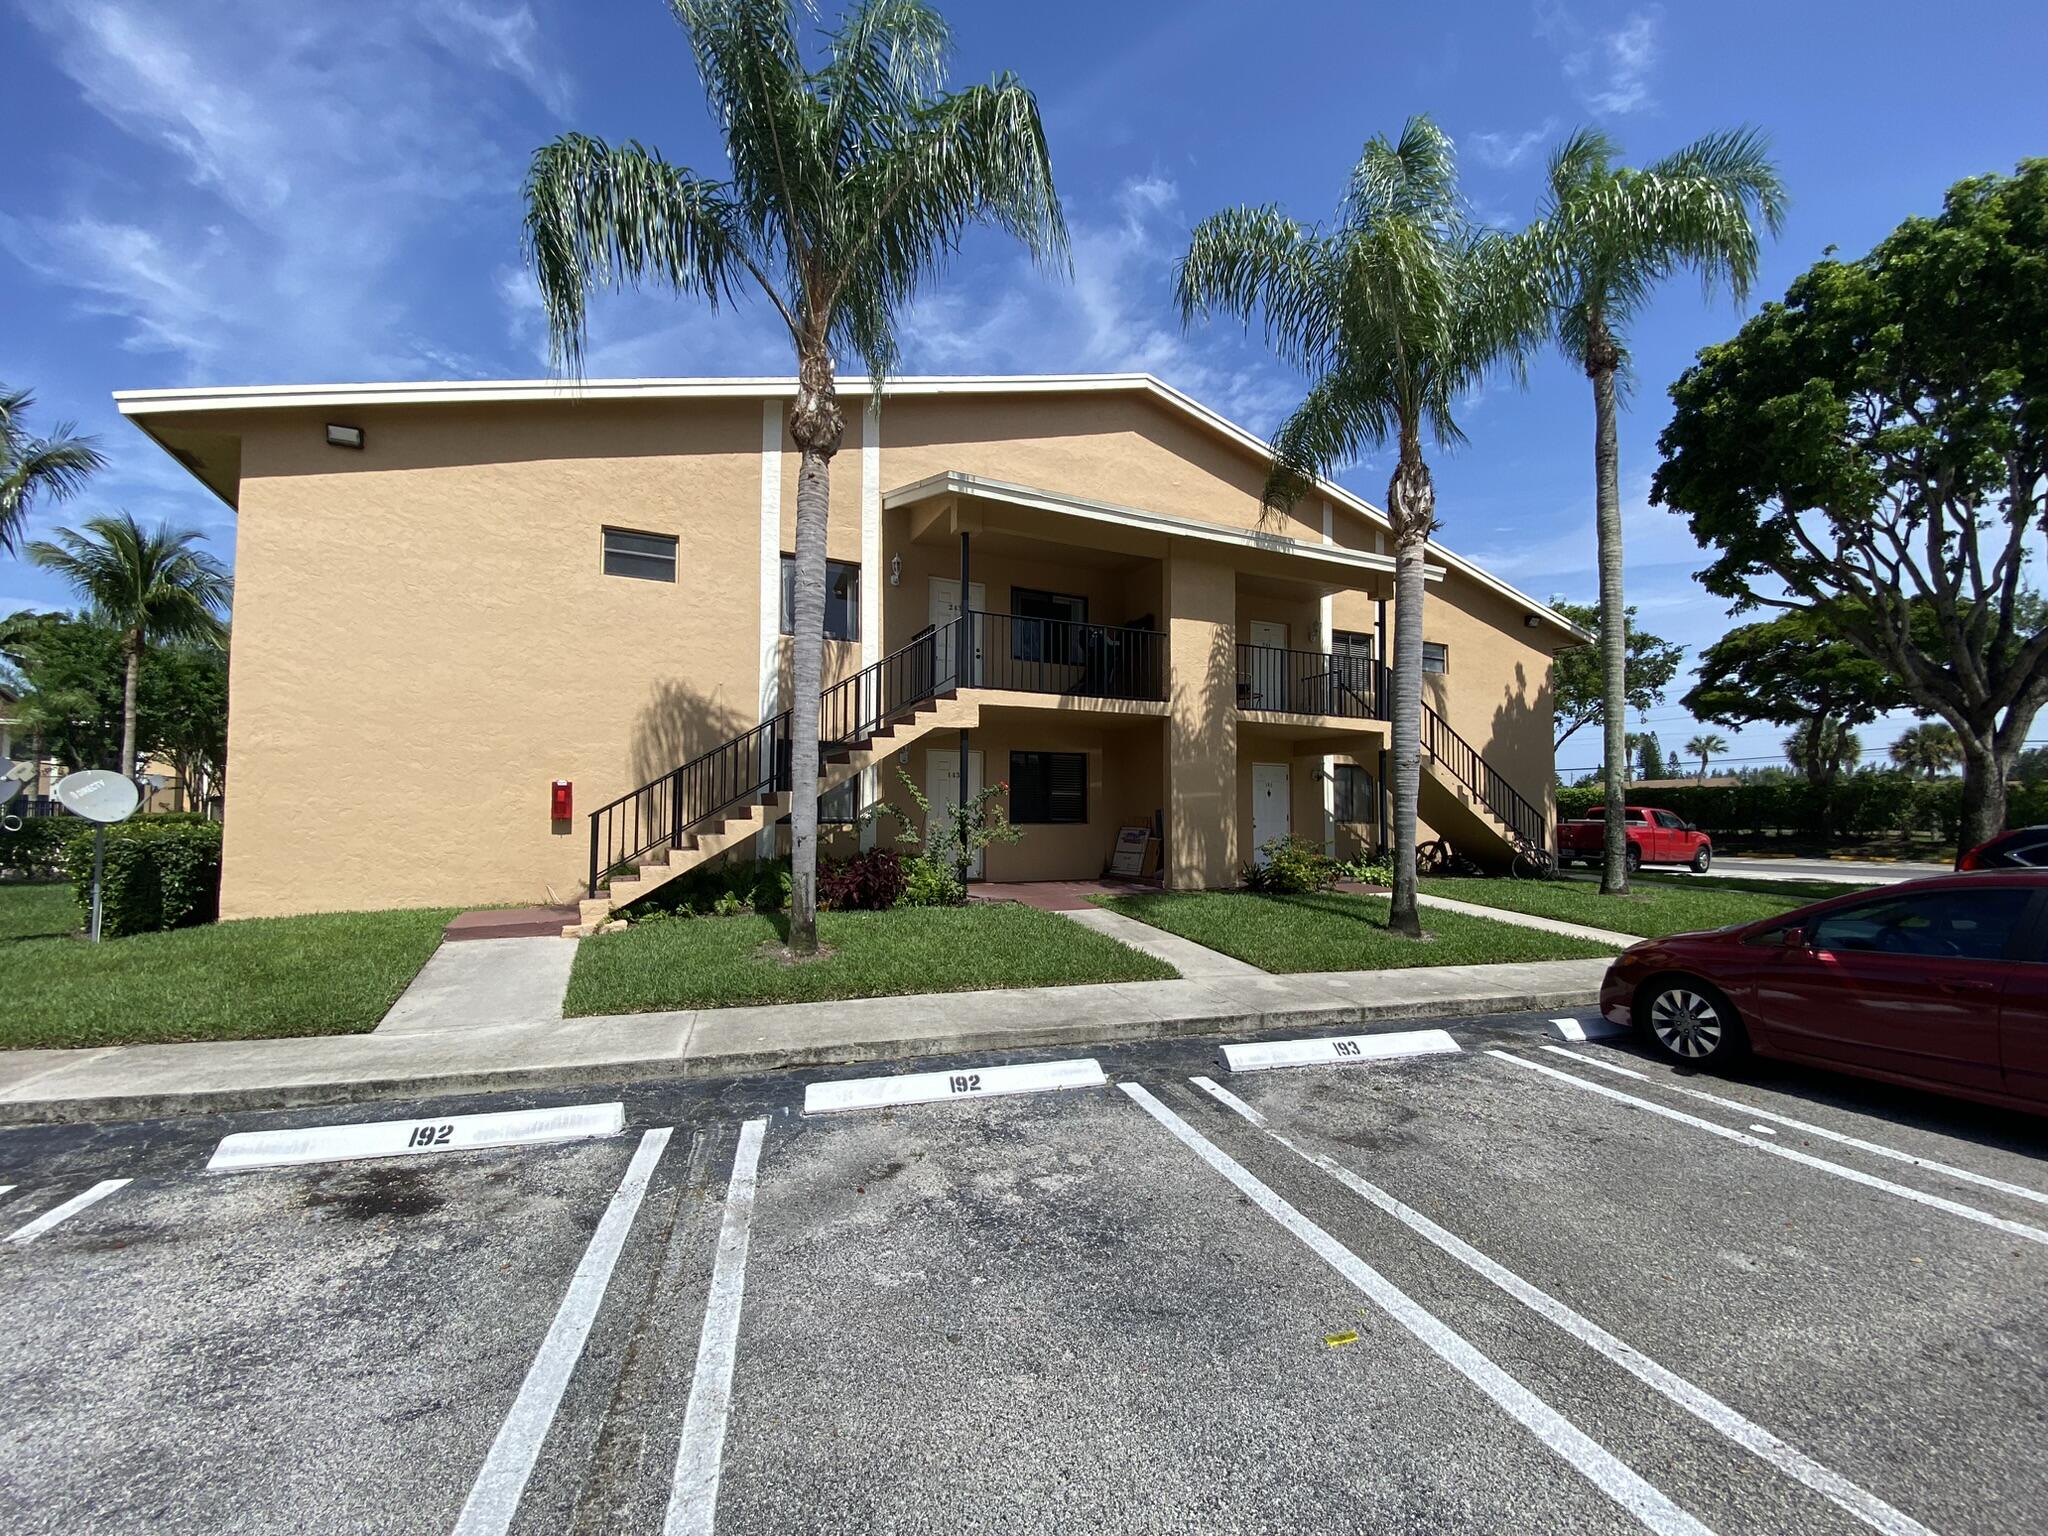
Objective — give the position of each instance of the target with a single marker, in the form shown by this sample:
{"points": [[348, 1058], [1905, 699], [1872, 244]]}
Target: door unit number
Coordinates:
{"points": [[964, 1082], [430, 1136]]}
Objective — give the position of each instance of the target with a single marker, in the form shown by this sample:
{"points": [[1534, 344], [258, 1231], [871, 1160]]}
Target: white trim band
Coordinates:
{"points": [[415, 1138]]}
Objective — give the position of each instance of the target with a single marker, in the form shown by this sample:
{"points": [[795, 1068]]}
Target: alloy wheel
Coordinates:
{"points": [[1687, 1024]]}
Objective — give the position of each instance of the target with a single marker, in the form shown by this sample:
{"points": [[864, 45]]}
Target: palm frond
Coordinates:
{"points": [[153, 583], [598, 215], [32, 467], [887, 56], [1244, 262]]}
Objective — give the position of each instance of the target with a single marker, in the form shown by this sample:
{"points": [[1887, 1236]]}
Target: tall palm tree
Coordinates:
{"points": [[1823, 749], [1706, 746], [1608, 235], [1929, 750], [152, 584], [1395, 312], [847, 185], [31, 467]]}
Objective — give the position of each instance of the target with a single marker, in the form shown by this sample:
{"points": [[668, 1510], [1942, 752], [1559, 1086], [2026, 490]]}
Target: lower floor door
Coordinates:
{"points": [[942, 788], [1271, 800]]}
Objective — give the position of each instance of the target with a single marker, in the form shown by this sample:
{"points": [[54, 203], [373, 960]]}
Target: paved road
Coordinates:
{"points": [[1522, 1287], [1827, 869]]}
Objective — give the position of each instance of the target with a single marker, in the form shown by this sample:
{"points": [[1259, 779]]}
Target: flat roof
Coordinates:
{"points": [[142, 404]]}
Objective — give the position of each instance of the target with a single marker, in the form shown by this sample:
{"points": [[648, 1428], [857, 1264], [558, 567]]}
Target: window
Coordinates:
{"points": [[1048, 787], [1950, 924], [1042, 628], [842, 598], [647, 556], [1436, 656], [1357, 798], [840, 807], [1670, 821]]}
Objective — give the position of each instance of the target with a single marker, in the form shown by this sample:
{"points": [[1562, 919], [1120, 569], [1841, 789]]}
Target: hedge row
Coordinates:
{"points": [[1860, 805], [159, 873]]}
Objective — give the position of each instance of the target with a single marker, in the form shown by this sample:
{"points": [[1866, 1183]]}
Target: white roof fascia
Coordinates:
{"points": [[955, 482]]}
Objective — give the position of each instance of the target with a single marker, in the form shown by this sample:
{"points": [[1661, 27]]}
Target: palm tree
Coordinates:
{"points": [[1929, 750], [30, 467], [1822, 748], [1608, 235], [1395, 313], [153, 585], [1705, 747], [847, 185]]}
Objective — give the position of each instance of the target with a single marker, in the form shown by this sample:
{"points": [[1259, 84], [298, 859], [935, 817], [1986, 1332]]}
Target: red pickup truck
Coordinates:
{"points": [[1654, 837]]}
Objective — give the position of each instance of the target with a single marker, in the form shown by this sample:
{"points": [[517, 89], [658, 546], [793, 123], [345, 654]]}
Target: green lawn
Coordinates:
{"points": [[1332, 931], [1653, 907], [718, 962], [332, 974]]}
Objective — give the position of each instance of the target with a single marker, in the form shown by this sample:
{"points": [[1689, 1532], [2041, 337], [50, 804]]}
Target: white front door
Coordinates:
{"points": [[1270, 802], [942, 788], [945, 608]]}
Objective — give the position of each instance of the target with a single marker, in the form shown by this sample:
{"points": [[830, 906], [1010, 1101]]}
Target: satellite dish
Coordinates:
{"points": [[98, 794]]}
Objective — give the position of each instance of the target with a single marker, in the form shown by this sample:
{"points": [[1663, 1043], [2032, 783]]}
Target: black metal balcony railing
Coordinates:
{"points": [[1059, 656], [1308, 683]]}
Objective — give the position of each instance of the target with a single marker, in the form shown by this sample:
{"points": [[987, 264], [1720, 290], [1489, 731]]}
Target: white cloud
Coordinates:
{"points": [[512, 42], [1609, 71], [319, 163], [1505, 151]]}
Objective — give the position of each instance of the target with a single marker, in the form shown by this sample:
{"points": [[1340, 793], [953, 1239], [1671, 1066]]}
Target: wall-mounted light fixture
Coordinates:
{"points": [[344, 437], [895, 570], [1530, 621]]}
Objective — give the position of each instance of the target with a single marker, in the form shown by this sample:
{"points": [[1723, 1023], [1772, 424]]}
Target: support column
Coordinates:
{"points": [[1201, 740], [963, 649]]}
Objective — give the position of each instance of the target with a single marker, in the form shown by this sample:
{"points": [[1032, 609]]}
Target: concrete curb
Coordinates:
{"points": [[698, 1059]]}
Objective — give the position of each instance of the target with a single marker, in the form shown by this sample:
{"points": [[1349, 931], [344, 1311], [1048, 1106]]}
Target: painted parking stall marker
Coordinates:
{"points": [[64, 1212], [1335, 1050], [937, 1087], [494, 1498], [2032, 1234], [415, 1138], [1947, 1170], [1593, 1461], [1701, 1404], [1588, 1029]]}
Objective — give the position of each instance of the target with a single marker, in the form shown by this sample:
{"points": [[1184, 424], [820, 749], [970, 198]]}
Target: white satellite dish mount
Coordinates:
{"points": [[102, 797]]}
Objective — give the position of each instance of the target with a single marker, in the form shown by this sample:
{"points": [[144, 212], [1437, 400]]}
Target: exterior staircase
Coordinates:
{"points": [[1469, 803], [740, 788]]}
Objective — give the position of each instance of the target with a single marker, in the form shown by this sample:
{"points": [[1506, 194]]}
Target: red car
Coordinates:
{"points": [[1654, 837], [1938, 983]]}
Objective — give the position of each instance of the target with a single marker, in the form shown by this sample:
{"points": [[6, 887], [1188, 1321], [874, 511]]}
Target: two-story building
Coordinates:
{"points": [[510, 642]]}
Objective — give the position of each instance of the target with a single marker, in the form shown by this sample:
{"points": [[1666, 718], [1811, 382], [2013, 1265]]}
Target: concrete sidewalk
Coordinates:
{"points": [[124, 1082]]}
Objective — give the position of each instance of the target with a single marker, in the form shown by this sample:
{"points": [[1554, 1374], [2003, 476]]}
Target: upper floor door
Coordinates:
{"points": [[945, 608]]}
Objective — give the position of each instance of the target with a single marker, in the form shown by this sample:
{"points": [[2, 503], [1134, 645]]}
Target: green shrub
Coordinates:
{"points": [[720, 888], [867, 882], [40, 848], [1293, 866], [1855, 805], [1376, 869], [928, 884], [157, 876]]}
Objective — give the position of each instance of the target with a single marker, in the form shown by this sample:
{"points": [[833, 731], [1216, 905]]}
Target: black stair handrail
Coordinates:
{"points": [[1528, 827], [756, 762]]}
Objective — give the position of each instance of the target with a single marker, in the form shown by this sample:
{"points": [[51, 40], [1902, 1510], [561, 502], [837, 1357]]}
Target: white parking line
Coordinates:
{"points": [[1591, 1029], [494, 1499], [68, 1209], [935, 1087], [414, 1138], [1964, 1175], [1793, 1154], [1701, 1404], [1763, 1130], [1335, 1050], [5, 1188], [1593, 1461], [693, 1498]]}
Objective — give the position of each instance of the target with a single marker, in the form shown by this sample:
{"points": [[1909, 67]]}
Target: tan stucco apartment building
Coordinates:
{"points": [[452, 600]]}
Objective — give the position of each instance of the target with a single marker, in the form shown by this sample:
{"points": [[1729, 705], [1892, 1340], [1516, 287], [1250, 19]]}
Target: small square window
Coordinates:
{"points": [[842, 598], [1048, 788], [647, 556], [840, 805], [1436, 657]]}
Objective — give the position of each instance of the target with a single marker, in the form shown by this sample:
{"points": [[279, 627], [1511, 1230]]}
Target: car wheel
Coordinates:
{"points": [[1702, 859], [1633, 859], [1691, 1023]]}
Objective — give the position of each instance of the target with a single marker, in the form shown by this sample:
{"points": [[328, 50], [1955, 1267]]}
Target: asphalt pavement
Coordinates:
{"points": [[1526, 1285], [1856, 871]]}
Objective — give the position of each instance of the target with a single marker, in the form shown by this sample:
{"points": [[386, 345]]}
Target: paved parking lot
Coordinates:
{"points": [[1527, 1286]]}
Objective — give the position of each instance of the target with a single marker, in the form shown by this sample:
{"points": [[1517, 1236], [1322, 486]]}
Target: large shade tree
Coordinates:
{"points": [[1610, 234], [32, 468], [151, 585], [846, 186], [1877, 447], [1395, 311], [1578, 677]]}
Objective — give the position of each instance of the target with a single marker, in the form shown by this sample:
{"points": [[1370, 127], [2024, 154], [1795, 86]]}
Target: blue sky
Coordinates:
{"points": [[258, 191]]}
